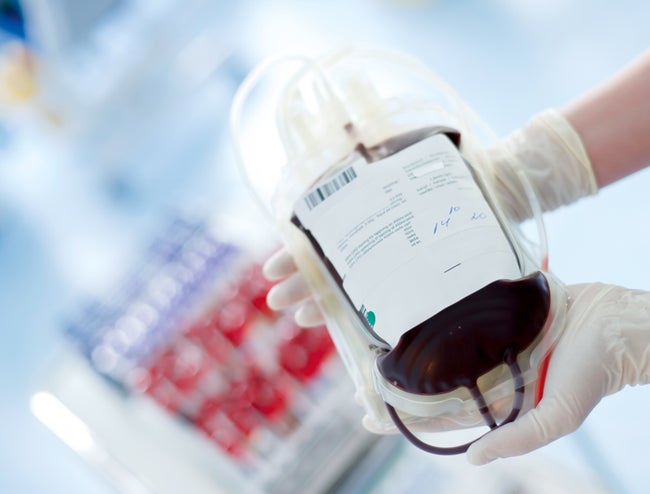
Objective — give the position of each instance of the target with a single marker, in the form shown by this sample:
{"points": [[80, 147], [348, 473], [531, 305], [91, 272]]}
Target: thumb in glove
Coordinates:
{"points": [[605, 346]]}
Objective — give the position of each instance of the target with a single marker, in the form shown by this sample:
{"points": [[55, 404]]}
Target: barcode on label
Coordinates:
{"points": [[323, 191]]}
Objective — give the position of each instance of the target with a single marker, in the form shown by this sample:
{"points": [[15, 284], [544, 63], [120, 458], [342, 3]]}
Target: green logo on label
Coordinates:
{"points": [[370, 315]]}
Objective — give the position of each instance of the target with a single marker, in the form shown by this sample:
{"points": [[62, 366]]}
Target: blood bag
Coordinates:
{"points": [[437, 302]]}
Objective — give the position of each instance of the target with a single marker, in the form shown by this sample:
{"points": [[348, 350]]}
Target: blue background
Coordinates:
{"points": [[79, 198]]}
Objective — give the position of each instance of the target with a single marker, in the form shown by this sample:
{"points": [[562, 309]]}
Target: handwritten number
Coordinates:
{"points": [[445, 222], [476, 215]]}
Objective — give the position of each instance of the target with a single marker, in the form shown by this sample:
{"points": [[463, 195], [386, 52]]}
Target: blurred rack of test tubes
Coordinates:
{"points": [[264, 403]]}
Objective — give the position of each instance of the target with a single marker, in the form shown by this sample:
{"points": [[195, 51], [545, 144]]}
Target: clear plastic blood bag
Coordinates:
{"points": [[407, 236], [437, 303]]}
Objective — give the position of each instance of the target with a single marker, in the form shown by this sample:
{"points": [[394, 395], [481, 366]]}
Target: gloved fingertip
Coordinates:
{"points": [[371, 425], [279, 265], [478, 455], [275, 299], [309, 316]]}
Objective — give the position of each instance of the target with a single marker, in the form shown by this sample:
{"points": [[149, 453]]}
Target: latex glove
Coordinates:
{"points": [[290, 290], [605, 346], [553, 158]]}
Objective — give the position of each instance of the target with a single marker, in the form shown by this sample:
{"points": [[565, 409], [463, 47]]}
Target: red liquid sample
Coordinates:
{"points": [[469, 338]]}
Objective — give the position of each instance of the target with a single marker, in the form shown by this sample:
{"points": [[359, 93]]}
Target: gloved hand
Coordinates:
{"points": [[291, 290], [552, 157], [605, 346]]}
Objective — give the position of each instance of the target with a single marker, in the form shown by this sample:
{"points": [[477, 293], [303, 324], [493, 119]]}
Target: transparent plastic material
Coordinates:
{"points": [[348, 112]]}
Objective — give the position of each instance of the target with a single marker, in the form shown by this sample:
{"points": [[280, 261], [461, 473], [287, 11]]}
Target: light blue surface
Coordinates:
{"points": [[508, 59]]}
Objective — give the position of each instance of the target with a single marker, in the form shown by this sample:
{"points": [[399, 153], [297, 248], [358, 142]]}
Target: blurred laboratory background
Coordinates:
{"points": [[136, 350]]}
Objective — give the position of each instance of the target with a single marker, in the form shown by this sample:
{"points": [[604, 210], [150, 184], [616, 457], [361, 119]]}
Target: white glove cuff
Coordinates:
{"points": [[552, 156], [575, 174]]}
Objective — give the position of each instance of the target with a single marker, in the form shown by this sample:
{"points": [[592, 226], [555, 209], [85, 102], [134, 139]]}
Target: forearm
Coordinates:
{"points": [[613, 121]]}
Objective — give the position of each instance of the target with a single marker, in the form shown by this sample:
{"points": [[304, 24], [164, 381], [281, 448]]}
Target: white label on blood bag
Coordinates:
{"points": [[408, 235]]}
